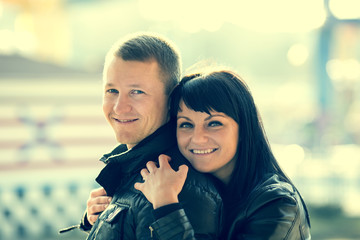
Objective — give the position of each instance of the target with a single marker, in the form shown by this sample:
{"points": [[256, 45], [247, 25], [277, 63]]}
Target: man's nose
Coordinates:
{"points": [[122, 104]]}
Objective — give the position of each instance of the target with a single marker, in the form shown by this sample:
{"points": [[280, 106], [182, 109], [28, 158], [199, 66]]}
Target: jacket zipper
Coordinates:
{"points": [[151, 231]]}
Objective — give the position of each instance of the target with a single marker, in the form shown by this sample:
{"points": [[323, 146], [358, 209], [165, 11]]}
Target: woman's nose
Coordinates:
{"points": [[199, 135]]}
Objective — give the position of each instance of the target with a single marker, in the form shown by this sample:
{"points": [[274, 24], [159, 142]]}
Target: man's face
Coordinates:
{"points": [[134, 101]]}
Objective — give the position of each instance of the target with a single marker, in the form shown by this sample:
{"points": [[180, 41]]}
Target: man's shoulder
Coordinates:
{"points": [[127, 195]]}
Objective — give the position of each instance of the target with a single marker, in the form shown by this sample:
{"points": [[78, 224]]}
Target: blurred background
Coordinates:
{"points": [[301, 59]]}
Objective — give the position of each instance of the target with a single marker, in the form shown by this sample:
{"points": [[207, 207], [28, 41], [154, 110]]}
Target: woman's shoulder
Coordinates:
{"points": [[272, 211], [275, 207], [273, 189]]}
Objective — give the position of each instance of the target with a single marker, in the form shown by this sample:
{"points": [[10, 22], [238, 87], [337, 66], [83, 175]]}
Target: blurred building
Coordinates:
{"points": [[52, 134]]}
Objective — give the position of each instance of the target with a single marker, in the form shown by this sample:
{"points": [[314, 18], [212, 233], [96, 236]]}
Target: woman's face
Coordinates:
{"points": [[209, 142]]}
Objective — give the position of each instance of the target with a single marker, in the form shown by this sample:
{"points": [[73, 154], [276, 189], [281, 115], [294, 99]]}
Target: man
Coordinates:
{"points": [[139, 74]]}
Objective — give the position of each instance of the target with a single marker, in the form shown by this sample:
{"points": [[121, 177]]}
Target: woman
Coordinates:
{"points": [[220, 132]]}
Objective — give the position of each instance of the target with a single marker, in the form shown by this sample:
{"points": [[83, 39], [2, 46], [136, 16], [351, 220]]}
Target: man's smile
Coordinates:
{"points": [[125, 120]]}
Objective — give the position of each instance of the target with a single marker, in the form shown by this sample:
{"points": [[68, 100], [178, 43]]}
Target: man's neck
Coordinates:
{"points": [[130, 146]]}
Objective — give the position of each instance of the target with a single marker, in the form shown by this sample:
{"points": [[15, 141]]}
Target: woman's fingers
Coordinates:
{"points": [[151, 166], [144, 173], [162, 184], [139, 186], [183, 170], [164, 161]]}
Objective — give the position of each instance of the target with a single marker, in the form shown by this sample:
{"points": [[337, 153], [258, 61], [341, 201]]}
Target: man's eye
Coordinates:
{"points": [[112, 91], [185, 125], [137, 92], [215, 124]]}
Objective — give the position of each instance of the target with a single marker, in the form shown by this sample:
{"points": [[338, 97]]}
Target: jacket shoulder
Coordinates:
{"points": [[276, 208], [270, 190]]}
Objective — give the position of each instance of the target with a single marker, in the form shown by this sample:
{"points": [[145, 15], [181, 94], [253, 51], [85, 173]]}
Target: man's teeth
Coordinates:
{"points": [[203, 151], [125, 121]]}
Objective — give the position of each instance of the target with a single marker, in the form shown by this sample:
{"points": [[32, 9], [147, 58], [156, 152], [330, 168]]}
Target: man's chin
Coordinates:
{"points": [[128, 141]]}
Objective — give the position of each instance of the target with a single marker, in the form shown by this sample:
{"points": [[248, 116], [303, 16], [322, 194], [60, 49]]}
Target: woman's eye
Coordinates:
{"points": [[215, 123], [185, 125], [112, 90], [137, 92]]}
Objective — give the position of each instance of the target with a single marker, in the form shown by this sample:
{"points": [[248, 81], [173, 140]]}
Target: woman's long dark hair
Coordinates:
{"points": [[226, 92]]}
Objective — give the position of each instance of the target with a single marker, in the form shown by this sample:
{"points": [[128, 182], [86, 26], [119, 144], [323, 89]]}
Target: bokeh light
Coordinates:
{"points": [[345, 9], [298, 54]]}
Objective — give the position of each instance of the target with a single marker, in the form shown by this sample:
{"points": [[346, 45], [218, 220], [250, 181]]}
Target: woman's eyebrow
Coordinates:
{"points": [[207, 118], [183, 117], [214, 115]]}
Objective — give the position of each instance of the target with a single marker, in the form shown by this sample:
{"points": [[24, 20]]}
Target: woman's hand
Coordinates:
{"points": [[162, 184]]}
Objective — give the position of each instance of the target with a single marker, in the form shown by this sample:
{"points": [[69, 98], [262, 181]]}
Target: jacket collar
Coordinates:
{"points": [[121, 163]]}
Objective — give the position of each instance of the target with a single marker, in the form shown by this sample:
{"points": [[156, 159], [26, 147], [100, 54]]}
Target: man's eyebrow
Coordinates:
{"points": [[134, 85], [130, 85]]}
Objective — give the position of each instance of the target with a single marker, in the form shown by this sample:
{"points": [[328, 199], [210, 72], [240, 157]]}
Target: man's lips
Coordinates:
{"points": [[203, 151], [125, 120]]}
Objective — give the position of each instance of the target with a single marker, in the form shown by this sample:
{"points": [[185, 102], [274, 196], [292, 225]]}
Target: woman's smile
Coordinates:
{"points": [[203, 151]]}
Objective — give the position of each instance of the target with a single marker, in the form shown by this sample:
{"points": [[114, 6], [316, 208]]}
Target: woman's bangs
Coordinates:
{"points": [[204, 96]]}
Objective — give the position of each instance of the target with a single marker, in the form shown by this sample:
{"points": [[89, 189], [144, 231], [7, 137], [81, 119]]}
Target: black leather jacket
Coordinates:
{"points": [[274, 210], [130, 215]]}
